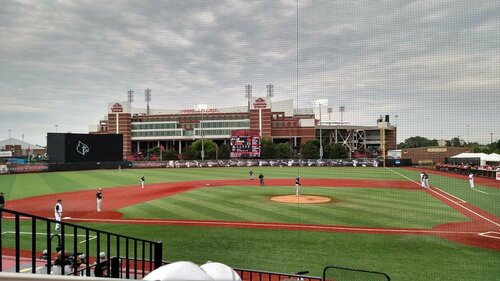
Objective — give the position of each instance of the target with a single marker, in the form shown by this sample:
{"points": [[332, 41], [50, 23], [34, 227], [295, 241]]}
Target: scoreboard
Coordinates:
{"points": [[245, 144]]}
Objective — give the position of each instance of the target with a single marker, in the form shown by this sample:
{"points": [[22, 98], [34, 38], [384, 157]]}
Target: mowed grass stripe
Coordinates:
{"points": [[256, 201], [256, 207], [147, 210], [213, 212], [227, 207]]}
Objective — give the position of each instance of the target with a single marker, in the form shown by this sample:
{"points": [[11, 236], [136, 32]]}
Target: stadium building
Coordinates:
{"points": [[143, 129]]}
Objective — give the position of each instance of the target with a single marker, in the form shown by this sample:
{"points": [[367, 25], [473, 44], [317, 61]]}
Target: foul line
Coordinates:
{"points": [[487, 234], [485, 218], [278, 226], [43, 233], [479, 191]]}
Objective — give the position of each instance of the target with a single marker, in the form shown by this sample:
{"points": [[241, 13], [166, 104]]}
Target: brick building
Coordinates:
{"points": [[279, 121]]}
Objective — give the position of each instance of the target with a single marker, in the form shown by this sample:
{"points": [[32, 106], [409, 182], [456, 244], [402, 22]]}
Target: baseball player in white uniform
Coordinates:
{"points": [[422, 183], [58, 209], [471, 180], [426, 180]]}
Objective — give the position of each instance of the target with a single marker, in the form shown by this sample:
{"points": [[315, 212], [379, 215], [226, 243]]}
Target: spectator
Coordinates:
{"points": [[99, 199], [101, 268]]}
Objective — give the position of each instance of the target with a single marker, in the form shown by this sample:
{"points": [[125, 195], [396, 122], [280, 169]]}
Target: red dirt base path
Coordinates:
{"points": [[483, 231]]}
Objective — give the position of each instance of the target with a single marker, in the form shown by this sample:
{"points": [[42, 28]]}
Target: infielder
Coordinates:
{"points": [[99, 199], [297, 186], [58, 208], [426, 180], [422, 183], [471, 180], [142, 181]]}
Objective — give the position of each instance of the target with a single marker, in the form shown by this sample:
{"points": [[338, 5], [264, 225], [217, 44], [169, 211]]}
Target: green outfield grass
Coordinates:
{"points": [[403, 257]]}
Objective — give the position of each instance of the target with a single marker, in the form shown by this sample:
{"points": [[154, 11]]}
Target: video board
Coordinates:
{"points": [[76, 148], [245, 144]]}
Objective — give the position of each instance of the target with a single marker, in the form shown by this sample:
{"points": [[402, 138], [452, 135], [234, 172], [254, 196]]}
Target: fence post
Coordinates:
{"points": [[158, 254], [115, 267]]}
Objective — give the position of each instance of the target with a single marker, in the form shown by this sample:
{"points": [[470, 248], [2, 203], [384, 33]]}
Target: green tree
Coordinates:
{"points": [[224, 152], [417, 141], [209, 146], [455, 142], [169, 154], [154, 151], [310, 150], [284, 151], [327, 151], [190, 153], [267, 148], [340, 151]]}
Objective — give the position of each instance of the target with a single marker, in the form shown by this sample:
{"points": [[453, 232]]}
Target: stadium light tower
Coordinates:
{"points": [[248, 94], [147, 94], [342, 110], [130, 96], [270, 90], [202, 108], [320, 103], [330, 111]]}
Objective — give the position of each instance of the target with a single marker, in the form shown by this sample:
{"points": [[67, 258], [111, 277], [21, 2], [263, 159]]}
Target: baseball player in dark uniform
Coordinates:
{"points": [[297, 186]]}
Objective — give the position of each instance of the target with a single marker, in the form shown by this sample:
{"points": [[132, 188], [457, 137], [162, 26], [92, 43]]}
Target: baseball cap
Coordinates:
{"points": [[102, 255]]}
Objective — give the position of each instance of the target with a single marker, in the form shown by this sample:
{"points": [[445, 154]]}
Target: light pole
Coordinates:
{"points": [[202, 108], [330, 111], [147, 98], [320, 103], [396, 125], [56, 127], [341, 110], [491, 137]]}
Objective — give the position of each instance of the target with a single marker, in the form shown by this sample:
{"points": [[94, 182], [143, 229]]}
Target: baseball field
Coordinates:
{"points": [[369, 218]]}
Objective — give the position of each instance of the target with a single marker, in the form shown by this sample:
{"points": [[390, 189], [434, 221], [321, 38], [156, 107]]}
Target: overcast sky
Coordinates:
{"points": [[435, 64]]}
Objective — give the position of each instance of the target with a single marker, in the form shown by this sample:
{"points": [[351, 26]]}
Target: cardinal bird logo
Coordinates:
{"points": [[82, 148]]}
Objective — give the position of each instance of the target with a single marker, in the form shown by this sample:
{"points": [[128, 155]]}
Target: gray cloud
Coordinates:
{"points": [[437, 61]]}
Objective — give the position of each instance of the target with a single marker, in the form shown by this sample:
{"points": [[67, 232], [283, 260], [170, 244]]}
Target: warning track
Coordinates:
{"points": [[482, 231]]}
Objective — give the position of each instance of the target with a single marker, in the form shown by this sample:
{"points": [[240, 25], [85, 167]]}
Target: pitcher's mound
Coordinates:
{"points": [[301, 199]]}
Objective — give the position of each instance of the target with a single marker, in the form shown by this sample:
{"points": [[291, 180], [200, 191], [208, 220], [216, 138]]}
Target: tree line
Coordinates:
{"points": [[414, 142], [309, 150], [268, 150]]}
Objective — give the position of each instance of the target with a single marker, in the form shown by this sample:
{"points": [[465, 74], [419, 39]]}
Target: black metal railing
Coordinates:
{"points": [[255, 275], [338, 273], [30, 243]]}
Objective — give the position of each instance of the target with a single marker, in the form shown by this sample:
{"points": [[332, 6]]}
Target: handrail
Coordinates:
{"points": [[67, 243]]}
